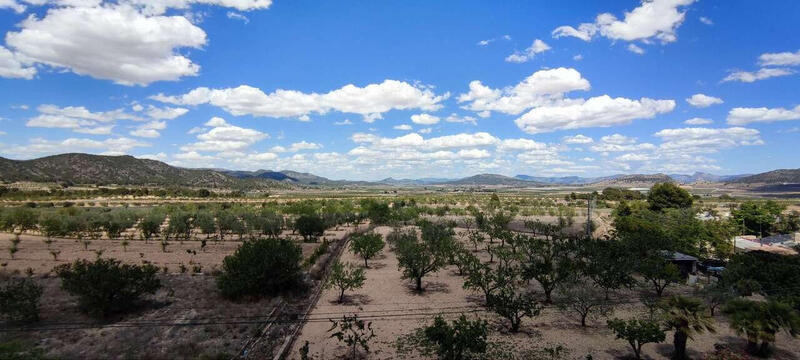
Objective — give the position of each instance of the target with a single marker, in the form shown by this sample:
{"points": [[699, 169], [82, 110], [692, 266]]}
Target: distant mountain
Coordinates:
{"points": [[633, 180], [98, 169], [260, 174], [703, 177], [414, 182], [772, 177], [493, 179], [564, 180]]}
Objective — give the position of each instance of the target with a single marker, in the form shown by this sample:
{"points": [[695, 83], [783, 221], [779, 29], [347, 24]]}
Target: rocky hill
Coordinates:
{"points": [[105, 170], [790, 176]]}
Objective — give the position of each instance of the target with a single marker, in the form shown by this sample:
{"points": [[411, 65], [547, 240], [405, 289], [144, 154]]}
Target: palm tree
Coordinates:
{"points": [[760, 321], [687, 317]]}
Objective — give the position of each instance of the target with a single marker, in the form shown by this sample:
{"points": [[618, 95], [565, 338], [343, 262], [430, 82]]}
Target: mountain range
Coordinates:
{"points": [[78, 168]]}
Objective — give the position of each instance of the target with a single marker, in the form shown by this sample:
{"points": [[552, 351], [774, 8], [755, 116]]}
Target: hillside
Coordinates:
{"points": [[644, 180], [772, 177], [98, 169], [493, 180]]}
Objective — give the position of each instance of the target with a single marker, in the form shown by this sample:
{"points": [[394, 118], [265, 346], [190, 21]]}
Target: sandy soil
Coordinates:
{"points": [[35, 254], [395, 309]]}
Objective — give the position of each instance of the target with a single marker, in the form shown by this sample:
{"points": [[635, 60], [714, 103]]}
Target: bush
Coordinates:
{"points": [[637, 333], [106, 286], [459, 340], [19, 300], [260, 267]]}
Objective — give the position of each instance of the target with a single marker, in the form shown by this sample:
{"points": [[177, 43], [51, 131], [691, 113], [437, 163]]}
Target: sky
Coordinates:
{"points": [[365, 90]]}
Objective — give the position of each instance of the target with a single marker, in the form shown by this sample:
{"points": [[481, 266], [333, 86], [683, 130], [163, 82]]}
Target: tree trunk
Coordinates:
{"points": [[764, 350], [548, 299], [419, 284], [680, 345], [341, 296], [515, 326], [365, 263], [583, 319], [637, 350]]}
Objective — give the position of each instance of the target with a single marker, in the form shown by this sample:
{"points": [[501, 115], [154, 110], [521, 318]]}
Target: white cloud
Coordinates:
{"points": [[40, 146], [657, 19], [159, 156], [703, 101], [537, 47], [698, 121], [742, 116], [600, 111], [168, 113], [635, 49], [370, 101], [403, 127], [424, 119], [425, 130], [238, 16], [542, 87], [149, 129], [224, 137], [706, 20], [578, 139], [620, 143], [455, 118], [577, 57], [706, 140], [12, 67], [780, 59], [520, 145], [112, 41], [344, 122], [761, 74], [78, 119]]}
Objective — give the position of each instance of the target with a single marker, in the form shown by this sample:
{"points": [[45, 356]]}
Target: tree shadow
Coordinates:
{"points": [[376, 266], [352, 300], [428, 287]]}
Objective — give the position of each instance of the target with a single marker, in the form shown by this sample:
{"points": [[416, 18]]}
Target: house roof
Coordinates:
{"points": [[676, 256]]}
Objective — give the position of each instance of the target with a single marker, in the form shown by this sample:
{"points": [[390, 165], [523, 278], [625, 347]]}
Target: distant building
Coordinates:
{"points": [[779, 244], [687, 264]]}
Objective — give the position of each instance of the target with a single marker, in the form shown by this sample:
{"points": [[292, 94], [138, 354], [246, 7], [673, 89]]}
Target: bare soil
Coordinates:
{"points": [[395, 309]]}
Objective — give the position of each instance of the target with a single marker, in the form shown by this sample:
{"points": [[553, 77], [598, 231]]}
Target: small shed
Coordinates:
{"points": [[687, 264]]}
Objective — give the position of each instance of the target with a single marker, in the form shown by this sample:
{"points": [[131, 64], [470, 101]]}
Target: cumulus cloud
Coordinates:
{"points": [[698, 121], [742, 115], [600, 111], [12, 67], [578, 139], [424, 119], [78, 119], [455, 118], [703, 101], [519, 57], [166, 113], [542, 87], [706, 20], [39, 146], [780, 59], [655, 19], [761, 74], [223, 136], [111, 41], [403, 127], [298, 146], [370, 101], [620, 143], [706, 140]]}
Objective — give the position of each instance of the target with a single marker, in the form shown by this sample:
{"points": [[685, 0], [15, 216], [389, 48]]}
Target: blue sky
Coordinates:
{"points": [[367, 90]]}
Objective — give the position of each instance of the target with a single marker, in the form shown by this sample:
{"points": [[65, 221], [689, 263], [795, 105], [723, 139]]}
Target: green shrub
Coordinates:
{"points": [[106, 286], [260, 267], [19, 300]]}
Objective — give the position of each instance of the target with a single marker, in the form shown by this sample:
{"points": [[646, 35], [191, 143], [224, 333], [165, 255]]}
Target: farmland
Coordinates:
{"points": [[187, 240]]}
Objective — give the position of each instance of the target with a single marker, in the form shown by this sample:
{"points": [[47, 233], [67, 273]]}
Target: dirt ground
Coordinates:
{"points": [[35, 254], [185, 319], [395, 309]]}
